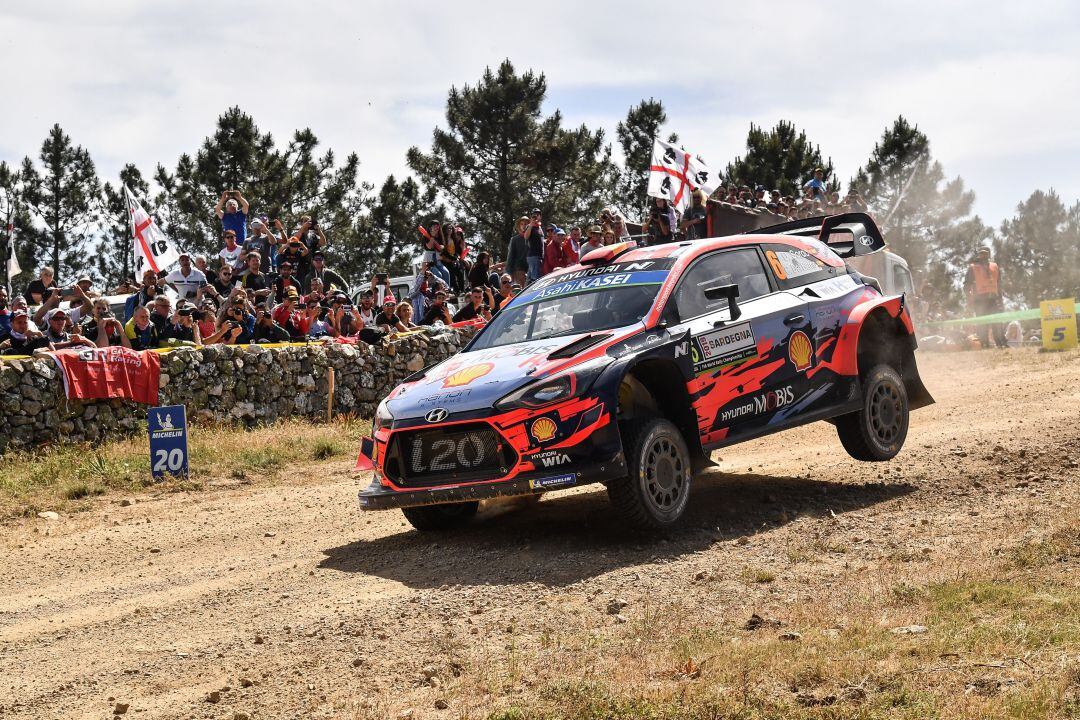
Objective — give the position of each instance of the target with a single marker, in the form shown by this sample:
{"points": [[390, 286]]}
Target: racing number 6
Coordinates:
{"points": [[777, 267]]}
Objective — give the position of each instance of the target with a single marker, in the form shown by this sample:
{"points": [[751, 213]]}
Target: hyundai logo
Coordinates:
{"points": [[436, 415]]}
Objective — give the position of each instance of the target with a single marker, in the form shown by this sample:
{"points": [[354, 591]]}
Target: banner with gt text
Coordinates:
{"points": [[110, 372]]}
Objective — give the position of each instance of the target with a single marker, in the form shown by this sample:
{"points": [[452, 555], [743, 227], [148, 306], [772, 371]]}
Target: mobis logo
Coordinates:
{"points": [[764, 403]]}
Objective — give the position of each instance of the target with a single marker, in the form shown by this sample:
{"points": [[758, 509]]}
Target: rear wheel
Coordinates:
{"points": [[431, 518], [653, 496], [877, 431]]}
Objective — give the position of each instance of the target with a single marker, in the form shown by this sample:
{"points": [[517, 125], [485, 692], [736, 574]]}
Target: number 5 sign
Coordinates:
{"points": [[1058, 324], [168, 441]]}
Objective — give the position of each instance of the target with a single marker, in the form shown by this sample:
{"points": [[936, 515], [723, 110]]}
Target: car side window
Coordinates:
{"points": [[903, 280], [742, 267], [794, 267]]}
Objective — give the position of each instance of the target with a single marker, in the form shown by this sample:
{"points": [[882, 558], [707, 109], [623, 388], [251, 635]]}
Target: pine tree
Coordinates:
{"points": [[280, 184], [780, 159], [115, 255], [398, 209], [925, 219], [63, 197], [498, 158], [636, 136], [1038, 250]]}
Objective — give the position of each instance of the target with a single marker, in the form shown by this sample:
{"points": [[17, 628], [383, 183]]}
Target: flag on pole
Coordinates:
{"points": [[675, 174], [153, 251], [13, 268]]}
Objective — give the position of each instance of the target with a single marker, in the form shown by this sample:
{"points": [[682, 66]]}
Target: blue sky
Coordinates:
{"points": [[996, 89]]}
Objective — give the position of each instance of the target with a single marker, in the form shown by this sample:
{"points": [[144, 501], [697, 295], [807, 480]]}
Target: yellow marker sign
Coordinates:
{"points": [[1058, 324]]}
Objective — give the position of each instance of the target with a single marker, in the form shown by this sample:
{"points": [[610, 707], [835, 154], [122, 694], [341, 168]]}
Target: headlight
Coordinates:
{"points": [[571, 383], [383, 418]]}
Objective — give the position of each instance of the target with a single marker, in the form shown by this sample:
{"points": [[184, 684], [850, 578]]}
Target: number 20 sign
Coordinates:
{"points": [[168, 441]]}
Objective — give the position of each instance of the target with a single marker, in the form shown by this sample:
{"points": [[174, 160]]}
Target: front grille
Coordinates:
{"points": [[457, 453]]}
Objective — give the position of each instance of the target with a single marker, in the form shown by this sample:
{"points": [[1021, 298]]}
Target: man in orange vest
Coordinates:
{"points": [[983, 286]]}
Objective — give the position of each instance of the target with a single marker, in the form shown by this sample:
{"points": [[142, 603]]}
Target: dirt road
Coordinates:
{"points": [[286, 601]]}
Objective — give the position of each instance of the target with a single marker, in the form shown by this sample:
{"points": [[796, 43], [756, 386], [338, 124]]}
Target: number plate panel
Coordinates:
{"points": [[456, 453]]}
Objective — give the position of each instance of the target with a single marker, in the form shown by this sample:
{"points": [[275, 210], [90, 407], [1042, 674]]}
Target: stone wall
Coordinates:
{"points": [[220, 383]]}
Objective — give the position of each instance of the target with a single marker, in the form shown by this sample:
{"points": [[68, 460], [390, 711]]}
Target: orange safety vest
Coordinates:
{"points": [[986, 278]]}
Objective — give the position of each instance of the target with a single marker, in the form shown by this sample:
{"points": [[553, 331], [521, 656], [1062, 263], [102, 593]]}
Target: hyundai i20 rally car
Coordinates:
{"points": [[630, 367]]}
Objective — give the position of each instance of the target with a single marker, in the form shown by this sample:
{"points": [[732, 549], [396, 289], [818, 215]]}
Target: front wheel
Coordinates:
{"points": [[431, 518], [654, 494], [877, 431]]}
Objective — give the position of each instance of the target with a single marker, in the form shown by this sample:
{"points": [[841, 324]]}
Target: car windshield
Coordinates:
{"points": [[568, 314]]}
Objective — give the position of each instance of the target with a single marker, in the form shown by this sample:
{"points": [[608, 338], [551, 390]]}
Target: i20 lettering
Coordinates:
{"points": [[468, 452]]}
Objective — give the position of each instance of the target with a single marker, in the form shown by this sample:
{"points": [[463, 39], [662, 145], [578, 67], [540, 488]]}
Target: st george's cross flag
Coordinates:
{"points": [[153, 251], [674, 174]]}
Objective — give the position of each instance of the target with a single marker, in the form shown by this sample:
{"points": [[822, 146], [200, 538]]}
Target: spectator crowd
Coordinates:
{"points": [[266, 284]]}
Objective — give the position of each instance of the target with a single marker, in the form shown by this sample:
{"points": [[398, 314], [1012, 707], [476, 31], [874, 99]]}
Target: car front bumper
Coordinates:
{"points": [[379, 497]]}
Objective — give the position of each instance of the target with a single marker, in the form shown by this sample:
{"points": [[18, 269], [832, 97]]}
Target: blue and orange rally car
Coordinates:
{"points": [[628, 368]]}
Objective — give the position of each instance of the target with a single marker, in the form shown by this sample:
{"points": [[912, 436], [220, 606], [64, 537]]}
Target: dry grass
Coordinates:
{"points": [[1002, 641], [62, 477]]}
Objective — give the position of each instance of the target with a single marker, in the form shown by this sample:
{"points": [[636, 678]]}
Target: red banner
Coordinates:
{"points": [[110, 372]]}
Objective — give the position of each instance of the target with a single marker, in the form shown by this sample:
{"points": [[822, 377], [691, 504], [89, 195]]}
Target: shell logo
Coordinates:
{"points": [[800, 351], [543, 429], [466, 375]]}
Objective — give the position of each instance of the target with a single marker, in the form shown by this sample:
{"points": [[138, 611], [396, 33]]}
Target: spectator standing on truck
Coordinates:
{"points": [[694, 221], [534, 246], [983, 285]]}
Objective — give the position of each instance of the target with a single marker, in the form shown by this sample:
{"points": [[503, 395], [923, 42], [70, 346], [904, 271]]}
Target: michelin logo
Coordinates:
{"points": [[546, 483]]}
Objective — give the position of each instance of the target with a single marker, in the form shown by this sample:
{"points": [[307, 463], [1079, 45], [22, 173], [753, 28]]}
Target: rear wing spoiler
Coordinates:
{"points": [[848, 234]]}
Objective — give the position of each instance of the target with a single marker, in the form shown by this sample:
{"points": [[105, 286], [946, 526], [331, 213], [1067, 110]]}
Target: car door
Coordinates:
{"points": [[741, 375]]}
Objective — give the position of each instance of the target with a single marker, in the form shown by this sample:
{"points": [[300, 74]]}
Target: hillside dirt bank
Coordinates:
{"points": [[287, 601]]}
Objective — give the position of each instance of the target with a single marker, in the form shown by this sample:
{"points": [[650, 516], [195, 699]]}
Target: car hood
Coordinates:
{"points": [[476, 380]]}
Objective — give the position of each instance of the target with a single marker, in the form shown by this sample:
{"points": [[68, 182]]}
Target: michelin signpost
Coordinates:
{"points": [[168, 441]]}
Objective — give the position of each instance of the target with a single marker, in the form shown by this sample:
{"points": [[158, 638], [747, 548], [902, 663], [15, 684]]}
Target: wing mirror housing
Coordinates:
{"points": [[731, 292]]}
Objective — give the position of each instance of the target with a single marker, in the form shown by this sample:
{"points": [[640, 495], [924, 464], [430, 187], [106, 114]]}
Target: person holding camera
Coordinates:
{"points": [[232, 210], [285, 282], [478, 306], [235, 324], [310, 237], [329, 279], [291, 314], [267, 329], [438, 312], [183, 328], [253, 280], [141, 333], [206, 318], [145, 295], [38, 290], [102, 328]]}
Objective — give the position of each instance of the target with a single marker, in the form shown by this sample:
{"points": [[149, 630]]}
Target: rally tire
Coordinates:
{"points": [[654, 493], [877, 431], [435, 518]]}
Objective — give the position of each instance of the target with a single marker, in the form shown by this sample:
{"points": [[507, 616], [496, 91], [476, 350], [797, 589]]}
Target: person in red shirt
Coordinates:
{"points": [[289, 316], [558, 253]]}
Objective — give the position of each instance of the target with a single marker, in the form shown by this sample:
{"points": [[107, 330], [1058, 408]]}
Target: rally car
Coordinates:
{"points": [[630, 367]]}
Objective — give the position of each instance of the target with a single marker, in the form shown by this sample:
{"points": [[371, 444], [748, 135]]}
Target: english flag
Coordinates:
{"points": [[153, 251], [674, 174]]}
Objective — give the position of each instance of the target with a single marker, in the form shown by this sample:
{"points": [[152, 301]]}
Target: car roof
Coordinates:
{"points": [[690, 249]]}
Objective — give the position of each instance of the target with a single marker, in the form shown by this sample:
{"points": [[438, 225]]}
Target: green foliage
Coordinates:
{"points": [[115, 256], [636, 136], [781, 159], [279, 183], [498, 157], [63, 197], [398, 210], [926, 219], [1039, 250]]}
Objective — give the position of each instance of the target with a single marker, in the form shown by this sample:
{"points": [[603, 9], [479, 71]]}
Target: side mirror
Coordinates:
{"points": [[725, 291]]}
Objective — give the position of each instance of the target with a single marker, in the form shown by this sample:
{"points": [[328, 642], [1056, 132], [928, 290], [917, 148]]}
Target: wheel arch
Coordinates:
{"points": [[665, 385], [886, 335]]}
